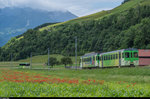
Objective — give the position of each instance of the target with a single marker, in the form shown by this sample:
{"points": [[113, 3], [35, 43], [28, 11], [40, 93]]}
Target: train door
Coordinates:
{"points": [[93, 61], [99, 61], [119, 58]]}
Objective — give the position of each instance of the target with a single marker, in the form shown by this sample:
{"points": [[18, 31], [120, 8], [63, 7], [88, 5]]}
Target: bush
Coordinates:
{"points": [[66, 60], [53, 61]]}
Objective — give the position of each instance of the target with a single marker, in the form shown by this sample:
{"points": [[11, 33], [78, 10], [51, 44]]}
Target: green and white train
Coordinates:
{"points": [[124, 57]]}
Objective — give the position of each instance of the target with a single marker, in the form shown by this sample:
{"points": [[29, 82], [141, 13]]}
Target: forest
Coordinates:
{"points": [[128, 29]]}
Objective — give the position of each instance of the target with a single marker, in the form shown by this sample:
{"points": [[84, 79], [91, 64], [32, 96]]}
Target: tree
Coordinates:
{"points": [[66, 60], [53, 61]]}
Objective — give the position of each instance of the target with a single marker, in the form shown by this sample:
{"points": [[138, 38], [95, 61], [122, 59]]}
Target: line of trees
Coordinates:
{"points": [[65, 61]]}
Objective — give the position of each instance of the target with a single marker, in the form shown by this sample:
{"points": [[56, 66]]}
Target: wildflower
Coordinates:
{"points": [[94, 81]]}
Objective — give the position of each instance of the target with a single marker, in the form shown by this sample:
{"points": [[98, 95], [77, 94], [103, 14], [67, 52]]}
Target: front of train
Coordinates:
{"points": [[130, 57]]}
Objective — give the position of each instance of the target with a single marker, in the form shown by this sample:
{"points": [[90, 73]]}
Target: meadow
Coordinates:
{"points": [[112, 82]]}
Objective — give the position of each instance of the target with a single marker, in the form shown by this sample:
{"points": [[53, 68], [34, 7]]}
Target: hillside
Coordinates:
{"points": [[126, 26], [15, 21]]}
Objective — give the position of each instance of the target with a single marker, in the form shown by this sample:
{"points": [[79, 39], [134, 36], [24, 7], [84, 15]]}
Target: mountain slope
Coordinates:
{"points": [[15, 21], [123, 27], [128, 5]]}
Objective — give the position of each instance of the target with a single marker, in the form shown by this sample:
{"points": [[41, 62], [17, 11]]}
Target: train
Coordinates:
{"points": [[118, 58]]}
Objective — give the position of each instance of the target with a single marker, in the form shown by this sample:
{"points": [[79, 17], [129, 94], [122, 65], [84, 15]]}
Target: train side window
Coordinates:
{"points": [[116, 56], [94, 58], [127, 55], [107, 57], [135, 55], [122, 55]]}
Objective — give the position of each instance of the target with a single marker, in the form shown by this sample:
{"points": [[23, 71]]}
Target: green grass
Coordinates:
{"points": [[44, 58], [137, 74], [110, 88]]}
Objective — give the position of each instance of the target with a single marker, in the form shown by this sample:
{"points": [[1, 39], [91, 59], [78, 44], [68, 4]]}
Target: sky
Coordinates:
{"points": [[77, 7]]}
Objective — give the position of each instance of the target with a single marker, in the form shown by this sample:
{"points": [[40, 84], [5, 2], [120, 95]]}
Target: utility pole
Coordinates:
{"points": [[76, 50], [31, 60], [48, 58]]}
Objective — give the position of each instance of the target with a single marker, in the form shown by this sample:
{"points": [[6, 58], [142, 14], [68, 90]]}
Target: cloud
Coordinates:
{"points": [[78, 7]]}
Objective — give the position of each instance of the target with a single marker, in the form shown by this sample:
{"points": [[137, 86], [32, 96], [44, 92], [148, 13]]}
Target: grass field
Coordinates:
{"points": [[113, 82], [38, 61]]}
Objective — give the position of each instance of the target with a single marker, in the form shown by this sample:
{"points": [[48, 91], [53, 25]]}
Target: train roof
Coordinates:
{"points": [[94, 53], [129, 49], [89, 54]]}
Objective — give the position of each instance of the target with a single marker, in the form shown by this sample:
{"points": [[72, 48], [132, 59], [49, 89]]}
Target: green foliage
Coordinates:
{"points": [[66, 60], [52, 61], [118, 30]]}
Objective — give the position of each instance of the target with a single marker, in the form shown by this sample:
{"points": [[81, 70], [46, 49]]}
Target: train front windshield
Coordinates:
{"points": [[131, 54]]}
